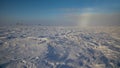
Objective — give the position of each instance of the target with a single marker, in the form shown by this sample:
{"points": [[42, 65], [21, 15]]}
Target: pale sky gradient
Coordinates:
{"points": [[60, 12]]}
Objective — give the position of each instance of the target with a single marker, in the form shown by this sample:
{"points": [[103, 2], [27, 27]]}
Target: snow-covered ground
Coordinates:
{"points": [[59, 47]]}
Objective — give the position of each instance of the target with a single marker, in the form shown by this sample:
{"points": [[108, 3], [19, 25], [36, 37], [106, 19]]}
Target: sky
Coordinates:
{"points": [[60, 12]]}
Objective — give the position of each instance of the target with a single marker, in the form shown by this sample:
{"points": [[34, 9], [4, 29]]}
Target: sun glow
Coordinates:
{"points": [[85, 18]]}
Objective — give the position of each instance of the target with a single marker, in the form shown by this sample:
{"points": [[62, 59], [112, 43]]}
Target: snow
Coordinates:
{"points": [[59, 47]]}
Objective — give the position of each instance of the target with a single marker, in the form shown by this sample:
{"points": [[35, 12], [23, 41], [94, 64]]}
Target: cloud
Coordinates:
{"points": [[105, 19], [94, 19]]}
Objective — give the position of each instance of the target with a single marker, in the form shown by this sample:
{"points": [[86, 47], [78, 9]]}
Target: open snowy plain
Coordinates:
{"points": [[59, 47]]}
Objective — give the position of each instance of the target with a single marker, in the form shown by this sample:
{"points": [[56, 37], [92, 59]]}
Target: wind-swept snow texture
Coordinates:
{"points": [[59, 47]]}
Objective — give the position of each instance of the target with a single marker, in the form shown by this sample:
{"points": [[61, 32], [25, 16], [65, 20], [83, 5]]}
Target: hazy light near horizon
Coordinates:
{"points": [[85, 17]]}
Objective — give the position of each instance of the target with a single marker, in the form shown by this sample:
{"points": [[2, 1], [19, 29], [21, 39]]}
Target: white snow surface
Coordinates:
{"points": [[59, 47]]}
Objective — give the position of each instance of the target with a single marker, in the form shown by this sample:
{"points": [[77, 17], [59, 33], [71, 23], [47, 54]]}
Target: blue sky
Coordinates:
{"points": [[56, 11]]}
